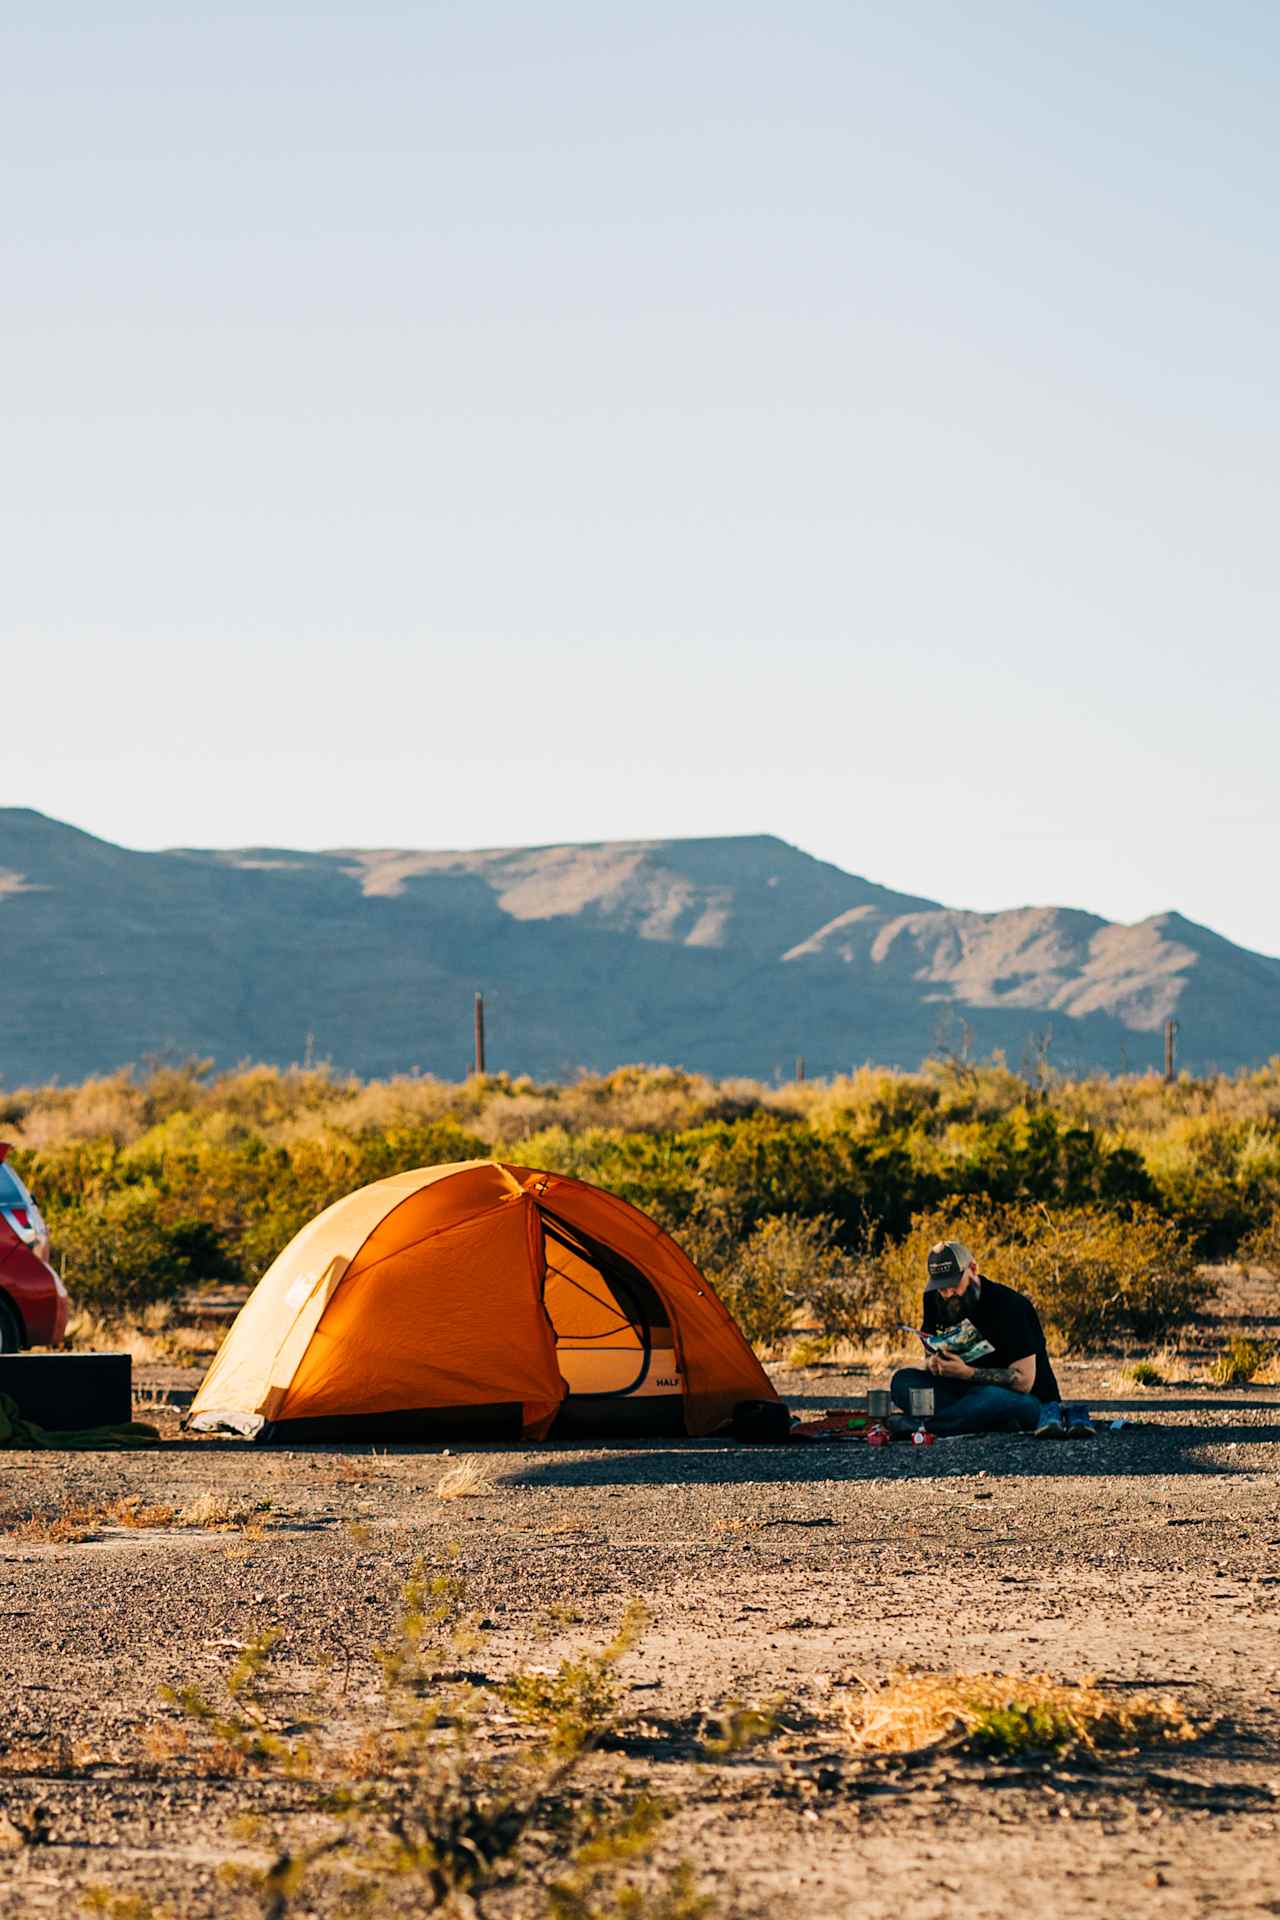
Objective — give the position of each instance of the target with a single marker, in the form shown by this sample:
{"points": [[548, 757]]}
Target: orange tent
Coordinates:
{"points": [[479, 1299]]}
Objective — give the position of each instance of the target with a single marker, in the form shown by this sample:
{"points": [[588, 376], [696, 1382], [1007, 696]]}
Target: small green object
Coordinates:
{"points": [[1015, 1729]]}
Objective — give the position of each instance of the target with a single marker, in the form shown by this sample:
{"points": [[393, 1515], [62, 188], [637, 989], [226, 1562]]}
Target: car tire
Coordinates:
{"points": [[10, 1329]]}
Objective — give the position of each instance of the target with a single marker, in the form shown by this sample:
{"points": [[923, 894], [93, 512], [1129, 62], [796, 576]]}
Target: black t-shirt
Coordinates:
{"points": [[1012, 1325]]}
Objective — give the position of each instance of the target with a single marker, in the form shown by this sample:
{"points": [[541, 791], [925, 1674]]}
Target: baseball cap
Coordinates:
{"points": [[949, 1261]]}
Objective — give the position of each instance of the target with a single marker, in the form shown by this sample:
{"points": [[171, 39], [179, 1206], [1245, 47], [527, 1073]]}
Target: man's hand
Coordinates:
{"points": [[949, 1367]]}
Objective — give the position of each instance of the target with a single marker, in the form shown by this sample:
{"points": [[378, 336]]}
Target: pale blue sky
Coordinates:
{"points": [[459, 425]]}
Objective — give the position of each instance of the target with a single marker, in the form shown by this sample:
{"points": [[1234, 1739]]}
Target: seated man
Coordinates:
{"points": [[1012, 1387]]}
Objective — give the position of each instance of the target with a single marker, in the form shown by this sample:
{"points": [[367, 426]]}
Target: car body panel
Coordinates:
{"points": [[27, 1281], [35, 1291]]}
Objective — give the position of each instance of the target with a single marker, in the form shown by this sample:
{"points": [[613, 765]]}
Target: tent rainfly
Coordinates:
{"points": [[482, 1300]]}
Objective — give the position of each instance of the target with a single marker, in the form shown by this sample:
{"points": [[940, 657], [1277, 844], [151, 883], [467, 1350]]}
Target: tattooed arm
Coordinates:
{"points": [[1020, 1377]]}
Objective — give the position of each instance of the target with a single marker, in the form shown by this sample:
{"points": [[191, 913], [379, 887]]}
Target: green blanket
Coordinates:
{"points": [[17, 1432]]}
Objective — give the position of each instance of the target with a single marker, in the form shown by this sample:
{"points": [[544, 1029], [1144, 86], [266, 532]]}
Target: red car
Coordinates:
{"points": [[33, 1300]]}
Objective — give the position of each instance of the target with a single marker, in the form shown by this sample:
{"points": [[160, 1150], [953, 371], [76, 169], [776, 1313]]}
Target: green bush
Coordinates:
{"points": [[1097, 1276], [1261, 1245], [849, 1294], [771, 1274], [287, 1186], [118, 1255], [1217, 1175], [250, 1156], [1094, 1276], [1242, 1361], [787, 1268], [1037, 1155]]}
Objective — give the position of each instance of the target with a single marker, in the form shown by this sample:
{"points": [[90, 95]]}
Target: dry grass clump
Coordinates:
{"points": [[79, 1520], [63, 1527], [467, 1480], [1010, 1715], [1244, 1361], [223, 1512], [140, 1337], [131, 1510], [153, 1336], [167, 1746], [123, 1906], [52, 1757]]}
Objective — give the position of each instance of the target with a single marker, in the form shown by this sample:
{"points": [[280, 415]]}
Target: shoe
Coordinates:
{"points": [[1053, 1422], [1079, 1425]]}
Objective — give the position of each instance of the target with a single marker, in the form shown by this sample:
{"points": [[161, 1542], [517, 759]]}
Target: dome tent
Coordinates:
{"points": [[485, 1300]]}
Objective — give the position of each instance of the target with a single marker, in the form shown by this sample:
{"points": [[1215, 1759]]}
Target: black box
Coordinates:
{"points": [[67, 1391]]}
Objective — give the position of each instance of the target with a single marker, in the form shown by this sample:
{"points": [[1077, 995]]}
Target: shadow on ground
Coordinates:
{"points": [[1178, 1452], [1152, 1446]]}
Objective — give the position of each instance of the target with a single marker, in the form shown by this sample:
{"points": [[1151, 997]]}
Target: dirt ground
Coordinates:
{"points": [[1149, 1557]]}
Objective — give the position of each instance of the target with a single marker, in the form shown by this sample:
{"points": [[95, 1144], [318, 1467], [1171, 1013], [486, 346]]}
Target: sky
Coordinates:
{"points": [[460, 425]]}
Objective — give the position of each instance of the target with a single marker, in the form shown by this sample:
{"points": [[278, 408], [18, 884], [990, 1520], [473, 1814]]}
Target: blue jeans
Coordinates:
{"points": [[965, 1408]]}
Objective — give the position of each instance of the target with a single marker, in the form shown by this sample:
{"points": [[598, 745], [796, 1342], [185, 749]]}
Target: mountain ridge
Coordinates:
{"points": [[730, 954]]}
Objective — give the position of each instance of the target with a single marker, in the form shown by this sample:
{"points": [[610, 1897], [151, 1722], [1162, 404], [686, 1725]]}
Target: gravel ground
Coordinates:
{"points": [[787, 1574]]}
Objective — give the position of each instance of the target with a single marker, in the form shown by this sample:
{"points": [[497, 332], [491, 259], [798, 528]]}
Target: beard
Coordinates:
{"points": [[951, 1311]]}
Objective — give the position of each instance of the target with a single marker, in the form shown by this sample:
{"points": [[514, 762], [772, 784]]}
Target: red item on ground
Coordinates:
{"points": [[840, 1424]]}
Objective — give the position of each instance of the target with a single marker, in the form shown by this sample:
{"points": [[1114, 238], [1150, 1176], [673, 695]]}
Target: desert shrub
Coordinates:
{"points": [[435, 1809], [787, 1267], [850, 1295], [1144, 1373], [1217, 1175], [810, 1350], [1261, 1245], [742, 1171], [119, 1254], [1096, 1276], [573, 1706], [1241, 1361], [761, 1167], [198, 1197], [1033, 1155], [249, 1156], [1011, 1716], [874, 1101], [1093, 1275], [650, 1171], [644, 1099], [770, 1276], [107, 1108]]}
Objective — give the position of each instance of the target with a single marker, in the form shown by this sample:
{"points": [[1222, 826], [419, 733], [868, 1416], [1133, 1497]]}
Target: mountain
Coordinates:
{"points": [[730, 955]]}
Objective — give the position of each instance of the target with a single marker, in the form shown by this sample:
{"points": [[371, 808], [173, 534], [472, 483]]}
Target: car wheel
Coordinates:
{"points": [[10, 1331]]}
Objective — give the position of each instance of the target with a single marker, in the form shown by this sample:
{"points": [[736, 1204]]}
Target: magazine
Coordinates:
{"points": [[961, 1342]]}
